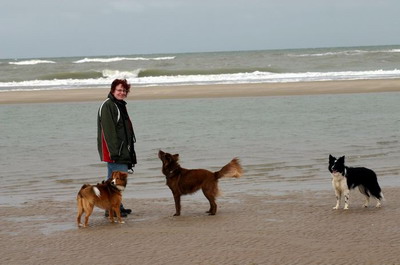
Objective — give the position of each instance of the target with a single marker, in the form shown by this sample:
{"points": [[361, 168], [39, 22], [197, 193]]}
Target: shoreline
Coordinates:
{"points": [[206, 91]]}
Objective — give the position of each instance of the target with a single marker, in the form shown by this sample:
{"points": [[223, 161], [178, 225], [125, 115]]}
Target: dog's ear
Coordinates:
{"points": [[176, 157], [341, 159]]}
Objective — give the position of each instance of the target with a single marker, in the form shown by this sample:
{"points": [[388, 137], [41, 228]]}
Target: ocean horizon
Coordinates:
{"points": [[205, 68]]}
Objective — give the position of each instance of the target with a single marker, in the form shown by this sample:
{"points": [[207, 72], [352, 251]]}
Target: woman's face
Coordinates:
{"points": [[119, 92]]}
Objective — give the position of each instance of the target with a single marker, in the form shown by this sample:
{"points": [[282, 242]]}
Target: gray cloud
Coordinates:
{"points": [[102, 27]]}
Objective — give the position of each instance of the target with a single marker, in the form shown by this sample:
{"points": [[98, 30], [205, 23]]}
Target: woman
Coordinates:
{"points": [[115, 135]]}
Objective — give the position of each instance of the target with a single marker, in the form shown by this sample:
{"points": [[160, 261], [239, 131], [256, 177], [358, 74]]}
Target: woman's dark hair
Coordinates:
{"points": [[124, 84]]}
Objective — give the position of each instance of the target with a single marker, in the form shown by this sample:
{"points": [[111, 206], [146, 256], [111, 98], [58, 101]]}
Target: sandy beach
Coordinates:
{"points": [[263, 227], [292, 228], [206, 91]]}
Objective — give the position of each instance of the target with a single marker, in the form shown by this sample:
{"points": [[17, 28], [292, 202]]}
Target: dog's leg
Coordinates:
{"points": [[87, 215], [364, 191], [366, 204], [88, 208], [213, 206], [211, 198], [80, 211], [338, 192], [117, 211], [177, 199], [378, 203], [111, 215], [338, 199], [346, 199]]}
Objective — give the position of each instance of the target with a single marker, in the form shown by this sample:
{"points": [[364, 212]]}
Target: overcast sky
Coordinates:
{"points": [[58, 28]]}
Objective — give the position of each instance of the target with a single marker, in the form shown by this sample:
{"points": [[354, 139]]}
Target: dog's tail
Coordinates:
{"points": [[231, 170]]}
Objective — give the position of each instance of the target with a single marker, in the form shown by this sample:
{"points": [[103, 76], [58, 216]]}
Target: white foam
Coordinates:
{"points": [[118, 59], [344, 53], [31, 62], [238, 78], [120, 74]]}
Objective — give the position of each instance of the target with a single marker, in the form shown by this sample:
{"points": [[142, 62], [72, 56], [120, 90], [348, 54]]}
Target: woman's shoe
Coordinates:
{"points": [[127, 211], [123, 214]]}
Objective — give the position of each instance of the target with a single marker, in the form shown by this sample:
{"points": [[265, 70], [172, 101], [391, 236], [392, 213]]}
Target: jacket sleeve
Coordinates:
{"points": [[108, 125]]}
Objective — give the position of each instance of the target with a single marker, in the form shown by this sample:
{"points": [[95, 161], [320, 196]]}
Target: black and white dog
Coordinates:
{"points": [[346, 178]]}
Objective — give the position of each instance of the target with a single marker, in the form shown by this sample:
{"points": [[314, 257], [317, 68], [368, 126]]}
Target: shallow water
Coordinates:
{"points": [[49, 150]]}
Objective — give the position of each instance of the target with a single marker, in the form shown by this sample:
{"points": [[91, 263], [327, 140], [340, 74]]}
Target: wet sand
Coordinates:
{"points": [[205, 91], [291, 228]]}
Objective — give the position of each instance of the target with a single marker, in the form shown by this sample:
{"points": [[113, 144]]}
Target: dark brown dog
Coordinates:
{"points": [[183, 181], [106, 195]]}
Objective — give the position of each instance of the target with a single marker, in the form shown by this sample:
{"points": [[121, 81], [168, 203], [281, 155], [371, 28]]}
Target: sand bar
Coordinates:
{"points": [[206, 91]]}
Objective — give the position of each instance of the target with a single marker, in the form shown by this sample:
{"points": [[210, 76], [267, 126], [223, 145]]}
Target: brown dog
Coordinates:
{"points": [[183, 181], [106, 195]]}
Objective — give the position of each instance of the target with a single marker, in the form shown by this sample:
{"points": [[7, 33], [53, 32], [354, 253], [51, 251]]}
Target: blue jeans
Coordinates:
{"points": [[111, 167]]}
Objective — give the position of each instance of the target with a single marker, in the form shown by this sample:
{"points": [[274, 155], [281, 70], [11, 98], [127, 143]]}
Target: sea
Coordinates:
{"points": [[283, 142], [266, 66]]}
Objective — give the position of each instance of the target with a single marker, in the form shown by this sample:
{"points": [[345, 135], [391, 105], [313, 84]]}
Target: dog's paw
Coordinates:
{"points": [[122, 222], [335, 208], [177, 214]]}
